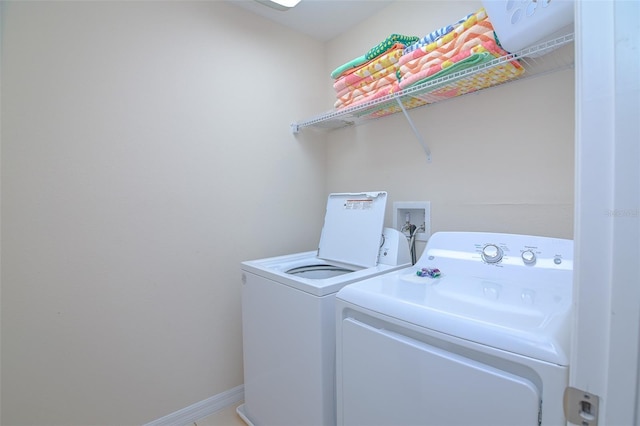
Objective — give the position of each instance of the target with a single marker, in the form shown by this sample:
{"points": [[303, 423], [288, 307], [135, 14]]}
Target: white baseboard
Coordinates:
{"points": [[201, 409]]}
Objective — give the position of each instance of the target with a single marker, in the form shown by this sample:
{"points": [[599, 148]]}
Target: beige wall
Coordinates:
{"points": [[502, 158], [146, 151]]}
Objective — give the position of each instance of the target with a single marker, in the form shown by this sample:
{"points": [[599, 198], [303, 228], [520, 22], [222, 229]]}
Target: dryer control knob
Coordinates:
{"points": [[491, 253], [528, 257]]}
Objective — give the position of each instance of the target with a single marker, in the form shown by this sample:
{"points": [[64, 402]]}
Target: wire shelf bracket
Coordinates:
{"points": [[427, 151]]}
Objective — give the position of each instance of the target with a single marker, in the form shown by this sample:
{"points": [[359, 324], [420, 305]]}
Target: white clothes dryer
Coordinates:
{"points": [[480, 336], [288, 312]]}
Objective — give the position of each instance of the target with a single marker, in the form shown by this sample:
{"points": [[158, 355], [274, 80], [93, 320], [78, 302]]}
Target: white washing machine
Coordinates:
{"points": [[482, 341], [288, 312]]}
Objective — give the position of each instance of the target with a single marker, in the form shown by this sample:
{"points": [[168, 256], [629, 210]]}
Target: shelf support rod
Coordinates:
{"points": [[415, 131]]}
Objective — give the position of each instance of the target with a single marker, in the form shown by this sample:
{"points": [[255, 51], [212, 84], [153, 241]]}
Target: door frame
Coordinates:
{"points": [[606, 333]]}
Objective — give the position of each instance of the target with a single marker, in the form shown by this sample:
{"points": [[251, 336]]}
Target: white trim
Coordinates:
{"points": [[201, 409], [243, 415], [606, 343]]}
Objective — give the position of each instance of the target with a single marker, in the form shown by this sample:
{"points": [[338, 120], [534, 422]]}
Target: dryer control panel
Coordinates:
{"points": [[525, 254], [494, 255]]}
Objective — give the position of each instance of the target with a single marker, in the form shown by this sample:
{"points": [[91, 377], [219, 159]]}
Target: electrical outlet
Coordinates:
{"points": [[417, 212]]}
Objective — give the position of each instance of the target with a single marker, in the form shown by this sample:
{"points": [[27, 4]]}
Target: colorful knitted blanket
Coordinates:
{"points": [[371, 70], [468, 58], [384, 45], [443, 42], [381, 48], [481, 32], [435, 35], [354, 95]]}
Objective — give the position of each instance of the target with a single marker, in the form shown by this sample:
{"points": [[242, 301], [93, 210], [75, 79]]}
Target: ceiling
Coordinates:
{"points": [[321, 19]]}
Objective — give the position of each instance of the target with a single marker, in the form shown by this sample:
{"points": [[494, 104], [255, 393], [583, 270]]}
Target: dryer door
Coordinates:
{"points": [[390, 379]]}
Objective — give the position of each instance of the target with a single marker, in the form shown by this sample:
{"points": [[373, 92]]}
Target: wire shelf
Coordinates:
{"points": [[550, 56]]}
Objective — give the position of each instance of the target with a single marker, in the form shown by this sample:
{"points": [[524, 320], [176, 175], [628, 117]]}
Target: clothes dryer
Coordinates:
{"points": [[288, 312], [477, 332]]}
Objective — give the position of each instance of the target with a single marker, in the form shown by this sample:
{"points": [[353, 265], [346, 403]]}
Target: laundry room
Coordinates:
{"points": [[147, 150]]}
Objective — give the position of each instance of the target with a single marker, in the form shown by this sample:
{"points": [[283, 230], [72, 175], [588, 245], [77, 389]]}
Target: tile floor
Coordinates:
{"points": [[224, 417]]}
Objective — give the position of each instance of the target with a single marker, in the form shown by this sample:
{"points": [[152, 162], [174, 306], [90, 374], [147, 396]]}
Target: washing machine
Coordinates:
{"points": [[288, 312], [476, 333]]}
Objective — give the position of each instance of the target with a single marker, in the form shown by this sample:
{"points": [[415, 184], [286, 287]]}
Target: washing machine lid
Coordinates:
{"points": [[352, 228]]}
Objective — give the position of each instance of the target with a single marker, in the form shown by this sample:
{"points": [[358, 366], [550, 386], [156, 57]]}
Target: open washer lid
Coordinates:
{"points": [[353, 227]]}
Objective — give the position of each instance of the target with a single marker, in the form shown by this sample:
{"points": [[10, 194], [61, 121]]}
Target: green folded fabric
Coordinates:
{"points": [[374, 52], [388, 42], [354, 63]]}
